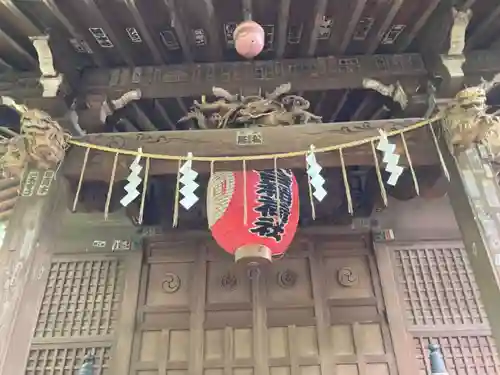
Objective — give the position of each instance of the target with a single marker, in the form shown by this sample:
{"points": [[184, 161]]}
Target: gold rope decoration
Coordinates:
{"points": [[144, 189], [110, 189], [381, 185], [356, 143], [175, 219], [347, 188], [410, 164], [278, 201], [245, 203], [80, 181], [440, 154]]}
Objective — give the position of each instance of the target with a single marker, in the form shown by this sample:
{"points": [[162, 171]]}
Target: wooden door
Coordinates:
{"points": [[318, 311], [431, 291], [74, 305]]}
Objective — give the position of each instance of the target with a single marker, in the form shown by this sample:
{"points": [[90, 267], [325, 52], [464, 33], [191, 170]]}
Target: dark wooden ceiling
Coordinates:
{"points": [[98, 33]]}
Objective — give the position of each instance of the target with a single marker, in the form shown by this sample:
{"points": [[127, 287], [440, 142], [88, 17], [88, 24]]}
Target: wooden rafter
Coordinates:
{"points": [[351, 26], [312, 38], [375, 39], [143, 29], [283, 15], [25, 55], [178, 23], [482, 29], [223, 143], [123, 48], [372, 47], [340, 48], [404, 42]]}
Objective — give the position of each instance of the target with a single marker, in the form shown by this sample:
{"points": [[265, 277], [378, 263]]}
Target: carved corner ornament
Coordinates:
{"points": [[50, 79], [395, 92]]}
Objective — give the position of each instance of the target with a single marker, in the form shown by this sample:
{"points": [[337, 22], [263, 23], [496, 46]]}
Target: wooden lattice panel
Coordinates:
{"points": [[438, 287], [81, 298], [464, 355], [66, 361]]}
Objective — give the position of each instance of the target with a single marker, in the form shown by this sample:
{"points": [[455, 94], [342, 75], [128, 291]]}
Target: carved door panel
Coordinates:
{"points": [[318, 311], [83, 305], [439, 302]]}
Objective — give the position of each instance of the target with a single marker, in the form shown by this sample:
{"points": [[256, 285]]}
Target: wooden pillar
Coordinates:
{"points": [[30, 232], [475, 198]]}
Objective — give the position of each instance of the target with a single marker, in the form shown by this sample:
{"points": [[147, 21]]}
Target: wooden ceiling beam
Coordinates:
{"points": [[164, 114], [309, 48], [304, 74], [4, 65], [123, 48], [339, 49], [177, 23], [143, 29], [377, 37], [407, 38], [128, 126], [282, 37], [25, 55], [223, 142], [351, 27], [481, 31], [210, 23], [24, 23], [97, 55], [340, 105], [373, 45], [145, 124]]}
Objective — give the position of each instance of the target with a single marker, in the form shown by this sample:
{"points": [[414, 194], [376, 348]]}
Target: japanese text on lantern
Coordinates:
{"points": [[271, 222]]}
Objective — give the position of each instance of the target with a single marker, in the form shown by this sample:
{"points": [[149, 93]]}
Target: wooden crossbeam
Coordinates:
{"points": [[304, 74], [224, 142]]}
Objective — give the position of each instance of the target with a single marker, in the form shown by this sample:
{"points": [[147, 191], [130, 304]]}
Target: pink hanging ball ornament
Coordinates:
{"points": [[249, 39]]}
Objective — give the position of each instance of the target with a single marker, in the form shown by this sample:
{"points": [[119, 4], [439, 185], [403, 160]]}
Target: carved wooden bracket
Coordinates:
{"points": [[393, 91], [50, 79], [451, 63]]}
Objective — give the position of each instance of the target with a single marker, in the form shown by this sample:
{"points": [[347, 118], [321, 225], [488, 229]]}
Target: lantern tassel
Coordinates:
{"points": [[410, 164], [350, 208], [175, 219], [110, 189], [80, 181], [383, 192], [245, 202], [144, 190]]}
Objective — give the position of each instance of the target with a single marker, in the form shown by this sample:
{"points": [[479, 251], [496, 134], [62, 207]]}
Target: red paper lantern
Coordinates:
{"points": [[270, 226], [249, 39]]}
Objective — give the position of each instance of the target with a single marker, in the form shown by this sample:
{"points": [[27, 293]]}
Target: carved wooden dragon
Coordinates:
{"points": [[237, 111], [41, 142]]}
